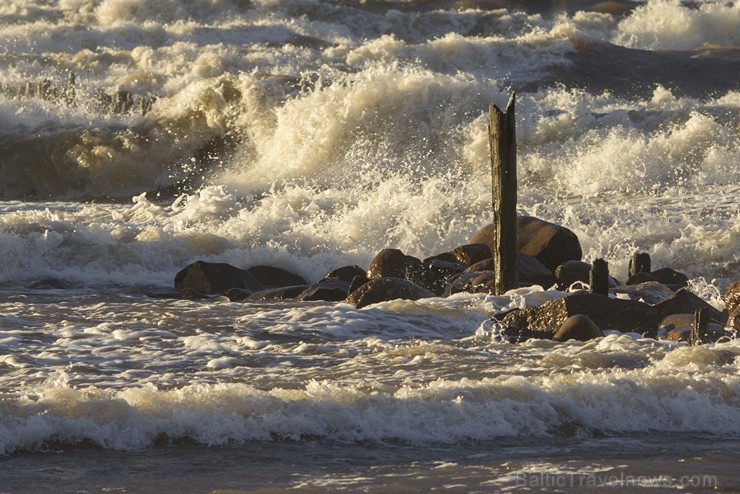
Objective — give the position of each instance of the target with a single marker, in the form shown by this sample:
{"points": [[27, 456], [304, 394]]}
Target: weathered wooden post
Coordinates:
{"points": [[599, 277], [502, 141], [640, 263], [701, 323]]}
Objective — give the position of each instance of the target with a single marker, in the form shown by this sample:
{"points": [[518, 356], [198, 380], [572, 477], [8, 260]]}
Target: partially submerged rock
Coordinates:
{"points": [[345, 273], [385, 289], [686, 302], [215, 278], [607, 313], [282, 293], [670, 277], [650, 292], [579, 327], [273, 277], [571, 272], [327, 290]]}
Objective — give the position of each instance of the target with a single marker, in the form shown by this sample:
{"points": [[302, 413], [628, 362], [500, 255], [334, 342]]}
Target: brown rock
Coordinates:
{"points": [[579, 327], [607, 313], [384, 289], [551, 244], [210, 278]]}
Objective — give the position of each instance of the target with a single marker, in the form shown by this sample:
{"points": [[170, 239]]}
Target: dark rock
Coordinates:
{"points": [[282, 293], [236, 294], [670, 277], [485, 265], [732, 297], [579, 327], [193, 294], [650, 292], [485, 282], [435, 275], [392, 263], [576, 271], [685, 302], [272, 277], [639, 278], [460, 283], [444, 256], [213, 278], [345, 273], [472, 253], [532, 272], [49, 284], [356, 283], [328, 290], [551, 244], [384, 289], [607, 313]]}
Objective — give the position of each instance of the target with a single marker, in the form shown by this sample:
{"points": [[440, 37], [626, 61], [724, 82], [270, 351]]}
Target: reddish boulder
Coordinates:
{"points": [[551, 244], [579, 327]]}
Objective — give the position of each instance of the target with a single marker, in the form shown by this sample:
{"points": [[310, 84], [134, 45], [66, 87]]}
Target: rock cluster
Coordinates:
{"points": [[652, 303]]}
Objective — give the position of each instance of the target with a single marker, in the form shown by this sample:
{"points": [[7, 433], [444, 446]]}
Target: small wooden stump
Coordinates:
{"points": [[599, 277], [640, 263]]}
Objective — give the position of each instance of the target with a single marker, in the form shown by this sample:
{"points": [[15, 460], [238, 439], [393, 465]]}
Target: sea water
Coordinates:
{"points": [[309, 135]]}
